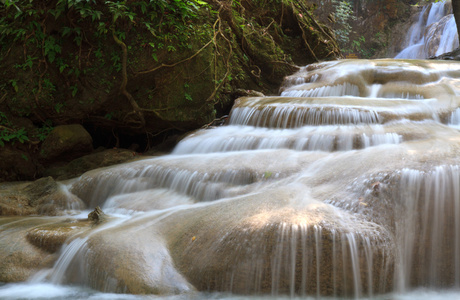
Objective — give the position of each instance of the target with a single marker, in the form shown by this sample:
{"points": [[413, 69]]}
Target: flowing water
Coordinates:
{"points": [[434, 33], [347, 185]]}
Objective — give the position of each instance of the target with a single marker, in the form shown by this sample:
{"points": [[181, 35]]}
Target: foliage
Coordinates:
{"points": [[8, 134], [11, 134], [358, 46], [83, 22], [44, 130], [343, 15], [166, 20]]}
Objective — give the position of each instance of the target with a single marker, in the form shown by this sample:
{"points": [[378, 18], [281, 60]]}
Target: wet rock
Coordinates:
{"points": [[97, 216], [50, 197], [20, 259], [30, 244], [131, 262], [15, 205], [51, 237], [252, 244], [91, 161], [40, 188], [66, 142], [433, 35], [44, 196], [279, 246], [454, 55]]}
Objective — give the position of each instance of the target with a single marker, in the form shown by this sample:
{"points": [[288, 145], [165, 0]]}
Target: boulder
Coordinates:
{"points": [[126, 261], [274, 249], [50, 237], [44, 196], [66, 142], [13, 203], [20, 259], [244, 245], [30, 244], [89, 162]]}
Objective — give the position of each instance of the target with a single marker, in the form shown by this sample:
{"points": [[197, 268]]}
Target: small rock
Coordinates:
{"points": [[97, 215]]}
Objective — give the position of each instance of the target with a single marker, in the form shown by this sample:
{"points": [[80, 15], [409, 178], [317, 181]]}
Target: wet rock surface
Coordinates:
{"points": [[98, 159], [51, 237], [453, 55], [27, 245], [281, 217], [44, 196], [97, 216]]}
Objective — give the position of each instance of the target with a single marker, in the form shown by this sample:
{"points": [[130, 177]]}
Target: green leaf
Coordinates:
{"points": [[96, 15], [66, 31], [51, 56], [62, 68], [58, 107], [74, 89]]}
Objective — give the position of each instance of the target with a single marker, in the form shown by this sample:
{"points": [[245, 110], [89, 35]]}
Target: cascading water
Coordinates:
{"points": [[346, 185], [434, 33]]}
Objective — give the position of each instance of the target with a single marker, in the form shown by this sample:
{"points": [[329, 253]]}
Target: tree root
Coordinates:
{"points": [[227, 61], [124, 63], [138, 111], [177, 63], [305, 10]]}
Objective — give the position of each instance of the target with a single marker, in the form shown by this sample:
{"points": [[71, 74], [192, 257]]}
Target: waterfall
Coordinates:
{"points": [[344, 185], [434, 33], [430, 227]]}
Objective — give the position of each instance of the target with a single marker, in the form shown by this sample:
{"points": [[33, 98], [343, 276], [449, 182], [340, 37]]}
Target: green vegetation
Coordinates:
{"points": [[139, 71], [343, 14], [49, 33], [74, 47], [12, 135]]}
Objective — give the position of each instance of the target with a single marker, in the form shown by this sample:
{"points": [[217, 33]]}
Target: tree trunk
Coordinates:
{"points": [[456, 10]]}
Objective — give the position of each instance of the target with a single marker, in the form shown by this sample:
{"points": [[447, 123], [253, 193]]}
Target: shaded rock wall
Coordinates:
{"points": [[373, 25]]}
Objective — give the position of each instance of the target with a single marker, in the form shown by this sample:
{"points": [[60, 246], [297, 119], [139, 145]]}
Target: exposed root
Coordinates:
{"points": [[227, 61], [224, 14], [136, 109], [3, 97], [177, 63], [305, 10]]}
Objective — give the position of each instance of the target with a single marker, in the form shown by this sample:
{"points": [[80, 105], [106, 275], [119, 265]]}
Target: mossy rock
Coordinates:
{"points": [[66, 142]]}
